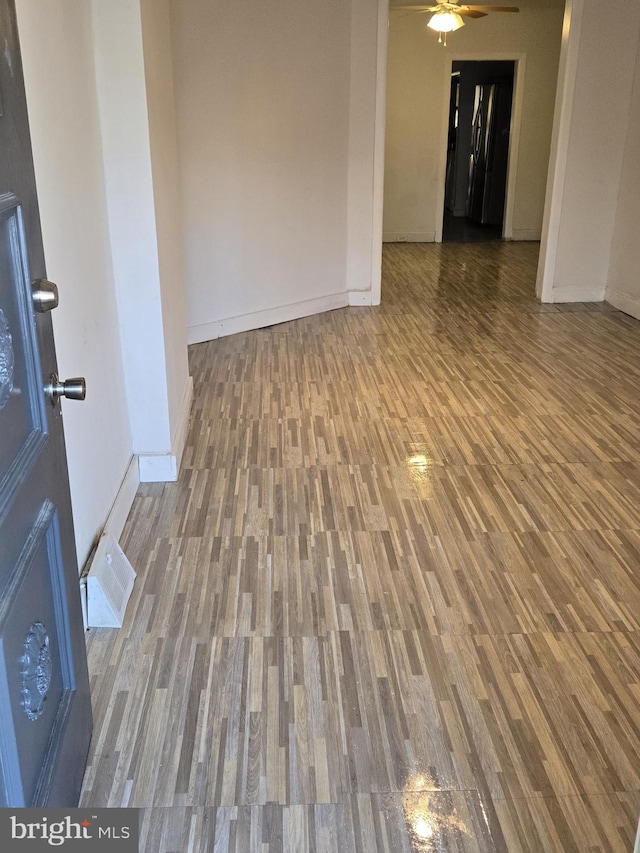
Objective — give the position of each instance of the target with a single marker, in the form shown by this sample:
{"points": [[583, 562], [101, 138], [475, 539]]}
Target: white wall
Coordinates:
{"points": [[262, 96], [98, 79], [146, 251], [366, 148], [129, 183], [158, 66], [623, 288], [417, 107], [588, 162], [56, 40]]}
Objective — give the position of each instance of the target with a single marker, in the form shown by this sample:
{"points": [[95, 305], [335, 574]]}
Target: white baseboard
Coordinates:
{"points": [[588, 293], [165, 467], [359, 297], [182, 427], [409, 237], [124, 499], [259, 319], [628, 304], [525, 235]]}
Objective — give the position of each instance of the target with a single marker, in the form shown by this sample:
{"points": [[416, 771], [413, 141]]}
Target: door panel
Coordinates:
{"points": [[39, 696], [45, 709], [21, 404]]}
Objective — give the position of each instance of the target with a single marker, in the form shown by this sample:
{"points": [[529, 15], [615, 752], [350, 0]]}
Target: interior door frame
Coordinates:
{"points": [[519, 61], [379, 135], [559, 154], [559, 151]]}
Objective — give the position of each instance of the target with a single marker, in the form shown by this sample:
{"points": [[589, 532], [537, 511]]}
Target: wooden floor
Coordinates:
{"points": [[393, 603]]}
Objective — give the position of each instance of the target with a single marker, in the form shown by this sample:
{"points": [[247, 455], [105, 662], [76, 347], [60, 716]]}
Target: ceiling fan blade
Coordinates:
{"points": [[471, 11], [413, 11], [486, 9]]}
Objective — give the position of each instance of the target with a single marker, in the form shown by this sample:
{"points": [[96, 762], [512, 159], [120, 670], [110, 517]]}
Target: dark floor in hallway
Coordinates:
{"points": [[461, 229]]}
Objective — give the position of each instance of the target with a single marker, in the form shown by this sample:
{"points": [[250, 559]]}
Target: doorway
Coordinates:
{"points": [[480, 108]]}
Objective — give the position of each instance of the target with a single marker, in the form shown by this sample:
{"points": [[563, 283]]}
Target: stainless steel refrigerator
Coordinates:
{"points": [[489, 153]]}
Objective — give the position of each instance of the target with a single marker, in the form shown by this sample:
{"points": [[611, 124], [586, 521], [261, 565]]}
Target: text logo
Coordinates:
{"points": [[35, 830]]}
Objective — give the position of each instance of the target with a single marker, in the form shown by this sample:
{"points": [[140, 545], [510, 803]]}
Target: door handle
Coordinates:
{"points": [[72, 389], [44, 294]]}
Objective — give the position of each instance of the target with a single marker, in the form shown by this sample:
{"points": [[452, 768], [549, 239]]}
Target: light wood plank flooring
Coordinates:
{"points": [[393, 603]]}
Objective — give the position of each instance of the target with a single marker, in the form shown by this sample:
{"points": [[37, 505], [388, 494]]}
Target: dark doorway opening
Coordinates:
{"points": [[478, 150]]}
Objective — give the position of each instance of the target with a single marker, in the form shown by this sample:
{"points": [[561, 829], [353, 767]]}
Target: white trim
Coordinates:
{"points": [[563, 112], [119, 512], [525, 235], [378, 151], [624, 302], [270, 317], [165, 467], [636, 846], [408, 237], [158, 468], [360, 297], [443, 147], [514, 138], [514, 146], [182, 427], [589, 293]]}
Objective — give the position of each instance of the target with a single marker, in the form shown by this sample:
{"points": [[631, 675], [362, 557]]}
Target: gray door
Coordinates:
{"points": [[45, 709]]}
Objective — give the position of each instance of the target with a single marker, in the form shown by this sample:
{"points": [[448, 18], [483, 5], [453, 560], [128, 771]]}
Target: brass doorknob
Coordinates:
{"points": [[72, 389]]}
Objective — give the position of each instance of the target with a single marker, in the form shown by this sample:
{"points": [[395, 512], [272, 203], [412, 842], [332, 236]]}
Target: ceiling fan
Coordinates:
{"points": [[448, 16]]}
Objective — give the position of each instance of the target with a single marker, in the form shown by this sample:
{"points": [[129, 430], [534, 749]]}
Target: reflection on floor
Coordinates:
{"points": [[393, 603], [461, 229]]}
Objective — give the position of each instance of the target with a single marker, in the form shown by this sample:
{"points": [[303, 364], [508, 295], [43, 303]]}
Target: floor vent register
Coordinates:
{"points": [[107, 585]]}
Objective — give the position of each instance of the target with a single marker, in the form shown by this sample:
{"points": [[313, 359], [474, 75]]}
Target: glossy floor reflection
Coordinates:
{"points": [[460, 229], [392, 603]]}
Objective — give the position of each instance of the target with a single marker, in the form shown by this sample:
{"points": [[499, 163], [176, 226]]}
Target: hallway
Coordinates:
{"points": [[393, 602]]}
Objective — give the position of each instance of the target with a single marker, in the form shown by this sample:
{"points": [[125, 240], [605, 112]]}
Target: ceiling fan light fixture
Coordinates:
{"points": [[445, 22]]}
